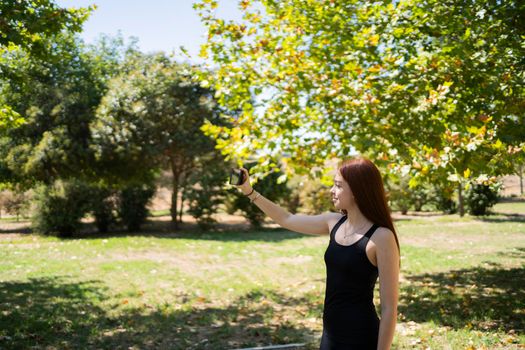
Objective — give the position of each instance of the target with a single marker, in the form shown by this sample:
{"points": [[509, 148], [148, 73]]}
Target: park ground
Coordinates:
{"points": [[461, 285]]}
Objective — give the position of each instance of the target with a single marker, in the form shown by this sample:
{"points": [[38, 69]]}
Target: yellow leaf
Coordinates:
{"points": [[375, 69], [203, 53], [374, 40], [466, 173], [498, 144]]}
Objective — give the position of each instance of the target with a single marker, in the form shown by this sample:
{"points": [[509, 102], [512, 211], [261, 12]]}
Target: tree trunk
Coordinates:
{"points": [[521, 178], [181, 204], [174, 193], [180, 167], [460, 200], [174, 206], [183, 182]]}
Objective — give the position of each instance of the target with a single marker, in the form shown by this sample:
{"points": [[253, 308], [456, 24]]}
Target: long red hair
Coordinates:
{"points": [[367, 187]]}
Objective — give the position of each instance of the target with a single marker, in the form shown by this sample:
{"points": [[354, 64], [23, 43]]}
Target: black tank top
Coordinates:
{"points": [[349, 316]]}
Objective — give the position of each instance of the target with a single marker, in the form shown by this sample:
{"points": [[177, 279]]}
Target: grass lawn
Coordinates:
{"points": [[462, 287]]}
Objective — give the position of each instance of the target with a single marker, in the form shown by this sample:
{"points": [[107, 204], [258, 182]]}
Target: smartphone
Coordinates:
{"points": [[236, 177]]}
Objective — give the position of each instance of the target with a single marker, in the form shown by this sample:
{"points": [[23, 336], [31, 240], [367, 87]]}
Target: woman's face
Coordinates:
{"points": [[342, 196]]}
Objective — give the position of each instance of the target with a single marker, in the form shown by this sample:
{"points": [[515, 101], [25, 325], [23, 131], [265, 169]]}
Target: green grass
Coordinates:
{"points": [[155, 213], [461, 287], [21, 219], [511, 206]]}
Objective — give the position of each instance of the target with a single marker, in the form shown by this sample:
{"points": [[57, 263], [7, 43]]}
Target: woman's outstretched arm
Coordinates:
{"points": [[309, 224]]}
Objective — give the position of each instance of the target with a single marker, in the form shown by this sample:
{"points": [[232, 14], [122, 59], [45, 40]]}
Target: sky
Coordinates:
{"points": [[158, 24]]}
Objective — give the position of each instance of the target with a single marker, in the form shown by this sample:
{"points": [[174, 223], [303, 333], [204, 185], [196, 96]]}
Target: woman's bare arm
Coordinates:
{"points": [[309, 224], [388, 266]]}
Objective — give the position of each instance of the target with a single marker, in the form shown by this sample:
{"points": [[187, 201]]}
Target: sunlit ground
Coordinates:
{"points": [[461, 287]]}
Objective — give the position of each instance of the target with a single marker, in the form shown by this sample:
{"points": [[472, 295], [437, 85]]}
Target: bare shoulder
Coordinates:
{"points": [[332, 218], [383, 237]]}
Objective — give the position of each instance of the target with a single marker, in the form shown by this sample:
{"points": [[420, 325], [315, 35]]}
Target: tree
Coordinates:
{"points": [[31, 26], [151, 118], [423, 87], [57, 97]]}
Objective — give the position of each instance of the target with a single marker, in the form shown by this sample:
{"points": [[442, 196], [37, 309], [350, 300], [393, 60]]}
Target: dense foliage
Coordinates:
{"points": [[31, 27], [428, 89], [149, 118]]}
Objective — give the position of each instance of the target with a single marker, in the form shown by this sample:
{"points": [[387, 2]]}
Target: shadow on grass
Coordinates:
{"points": [[511, 200], [163, 229], [191, 231], [502, 217], [53, 313], [479, 298], [514, 253], [49, 311]]}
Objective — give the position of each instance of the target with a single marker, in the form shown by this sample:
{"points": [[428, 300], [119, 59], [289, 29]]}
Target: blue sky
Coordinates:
{"points": [[158, 24]]}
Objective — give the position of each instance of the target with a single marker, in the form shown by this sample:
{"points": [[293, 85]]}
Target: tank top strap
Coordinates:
{"points": [[371, 231], [336, 226]]}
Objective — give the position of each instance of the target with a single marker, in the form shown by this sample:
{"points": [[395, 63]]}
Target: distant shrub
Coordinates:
{"points": [[479, 198], [206, 194], [419, 196], [15, 203], [132, 205], [398, 193], [103, 207], [60, 207], [443, 198], [311, 196]]}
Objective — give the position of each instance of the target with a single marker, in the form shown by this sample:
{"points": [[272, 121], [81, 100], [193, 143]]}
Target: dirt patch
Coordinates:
{"points": [[14, 227], [11, 236], [296, 260], [187, 262], [511, 185]]}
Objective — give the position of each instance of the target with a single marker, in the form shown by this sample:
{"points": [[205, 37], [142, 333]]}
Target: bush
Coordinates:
{"points": [[60, 207], [309, 196], [103, 207], [442, 197], [419, 197], [132, 205], [15, 203], [479, 198], [205, 193], [398, 193]]}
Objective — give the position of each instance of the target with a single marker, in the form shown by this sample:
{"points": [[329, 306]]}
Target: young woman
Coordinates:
{"points": [[363, 246]]}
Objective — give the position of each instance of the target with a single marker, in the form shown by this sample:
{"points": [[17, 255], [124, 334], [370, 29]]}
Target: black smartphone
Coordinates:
{"points": [[236, 177]]}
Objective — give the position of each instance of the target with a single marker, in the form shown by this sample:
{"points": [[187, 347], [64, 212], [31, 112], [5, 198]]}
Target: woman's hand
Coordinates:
{"points": [[246, 187]]}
